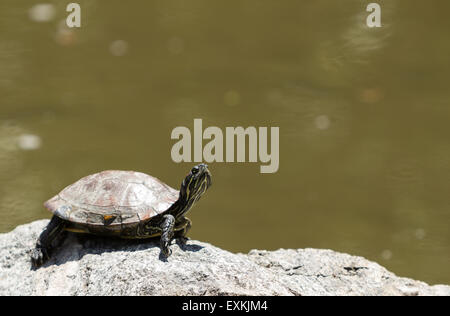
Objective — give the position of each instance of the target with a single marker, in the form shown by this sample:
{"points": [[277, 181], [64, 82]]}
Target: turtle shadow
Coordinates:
{"points": [[75, 246]]}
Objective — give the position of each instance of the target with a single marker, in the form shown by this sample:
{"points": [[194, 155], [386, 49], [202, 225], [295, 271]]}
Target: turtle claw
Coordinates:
{"points": [[39, 256], [166, 251], [181, 241]]}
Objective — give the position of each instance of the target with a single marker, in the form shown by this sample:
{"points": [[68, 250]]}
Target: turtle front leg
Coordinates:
{"points": [[40, 254], [182, 228], [167, 226]]}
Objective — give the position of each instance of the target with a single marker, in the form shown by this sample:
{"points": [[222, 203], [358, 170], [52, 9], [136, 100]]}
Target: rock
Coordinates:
{"points": [[89, 265]]}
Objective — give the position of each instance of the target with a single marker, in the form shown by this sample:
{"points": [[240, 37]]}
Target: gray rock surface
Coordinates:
{"points": [[87, 265]]}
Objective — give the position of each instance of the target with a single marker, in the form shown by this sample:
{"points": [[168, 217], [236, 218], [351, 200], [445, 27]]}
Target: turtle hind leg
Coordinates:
{"points": [[41, 253]]}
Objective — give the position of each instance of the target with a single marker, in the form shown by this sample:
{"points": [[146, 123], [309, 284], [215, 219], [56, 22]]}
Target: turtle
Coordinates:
{"points": [[125, 204]]}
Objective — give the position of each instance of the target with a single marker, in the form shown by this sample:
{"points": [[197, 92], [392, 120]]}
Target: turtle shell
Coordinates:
{"points": [[113, 198]]}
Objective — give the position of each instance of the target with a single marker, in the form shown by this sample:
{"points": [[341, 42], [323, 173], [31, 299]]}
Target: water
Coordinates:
{"points": [[363, 116]]}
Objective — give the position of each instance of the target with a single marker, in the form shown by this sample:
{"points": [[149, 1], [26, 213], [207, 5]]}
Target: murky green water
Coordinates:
{"points": [[363, 116]]}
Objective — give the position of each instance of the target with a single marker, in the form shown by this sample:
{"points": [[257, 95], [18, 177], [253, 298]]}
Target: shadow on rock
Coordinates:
{"points": [[75, 246]]}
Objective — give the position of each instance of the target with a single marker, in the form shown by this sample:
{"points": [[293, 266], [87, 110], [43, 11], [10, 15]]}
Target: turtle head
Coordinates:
{"points": [[195, 185]]}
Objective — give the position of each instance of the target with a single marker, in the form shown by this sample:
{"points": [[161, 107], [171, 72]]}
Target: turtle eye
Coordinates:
{"points": [[194, 170]]}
